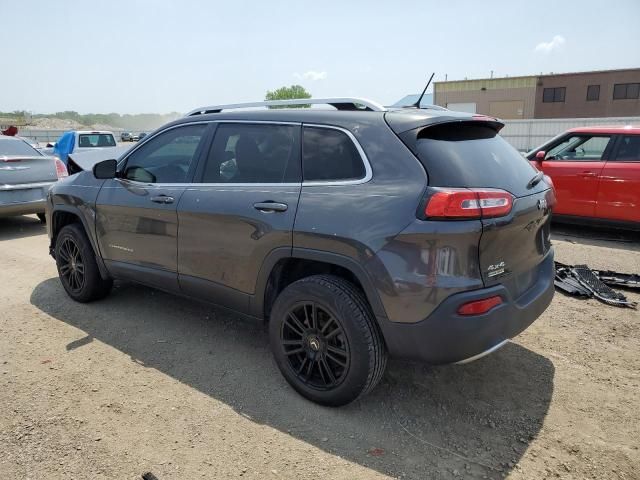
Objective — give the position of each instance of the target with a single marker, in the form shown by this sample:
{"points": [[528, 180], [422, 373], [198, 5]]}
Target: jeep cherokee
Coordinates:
{"points": [[355, 233]]}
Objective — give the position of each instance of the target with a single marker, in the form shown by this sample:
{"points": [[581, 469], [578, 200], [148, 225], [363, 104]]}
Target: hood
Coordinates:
{"points": [[86, 159]]}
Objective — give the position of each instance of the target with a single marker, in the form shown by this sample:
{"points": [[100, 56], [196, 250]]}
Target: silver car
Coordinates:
{"points": [[25, 177]]}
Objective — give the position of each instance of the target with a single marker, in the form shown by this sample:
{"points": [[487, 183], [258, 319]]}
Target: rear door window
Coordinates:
{"points": [[254, 153], [470, 155], [330, 155], [628, 149]]}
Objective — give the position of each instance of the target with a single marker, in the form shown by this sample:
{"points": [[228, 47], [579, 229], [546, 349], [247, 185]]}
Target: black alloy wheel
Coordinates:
{"points": [[71, 265], [325, 340], [316, 346], [77, 266]]}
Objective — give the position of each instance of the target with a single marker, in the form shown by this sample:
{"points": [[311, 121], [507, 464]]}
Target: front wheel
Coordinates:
{"points": [[325, 340], [77, 267]]}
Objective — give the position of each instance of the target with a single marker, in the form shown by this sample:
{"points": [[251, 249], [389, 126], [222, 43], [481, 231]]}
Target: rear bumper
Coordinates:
{"points": [[446, 337], [26, 208]]}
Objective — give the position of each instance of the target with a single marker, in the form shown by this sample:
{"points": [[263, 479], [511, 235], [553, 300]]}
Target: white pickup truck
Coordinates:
{"points": [[79, 140]]}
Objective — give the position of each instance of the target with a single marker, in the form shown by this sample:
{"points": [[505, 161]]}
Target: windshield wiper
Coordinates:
{"points": [[535, 180]]}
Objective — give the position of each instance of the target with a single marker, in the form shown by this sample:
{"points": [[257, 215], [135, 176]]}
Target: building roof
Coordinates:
{"points": [[550, 74]]}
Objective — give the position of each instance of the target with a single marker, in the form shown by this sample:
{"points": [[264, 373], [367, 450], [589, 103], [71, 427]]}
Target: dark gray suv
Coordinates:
{"points": [[356, 233]]}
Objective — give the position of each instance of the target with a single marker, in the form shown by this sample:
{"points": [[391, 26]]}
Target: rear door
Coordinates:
{"points": [[575, 164], [471, 155], [619, 189], [241, 208], [136, 219]]}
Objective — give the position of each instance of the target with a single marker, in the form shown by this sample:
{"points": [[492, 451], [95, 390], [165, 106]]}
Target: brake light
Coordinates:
{"points": [[61, 169], [478, 307], [468, 203]]}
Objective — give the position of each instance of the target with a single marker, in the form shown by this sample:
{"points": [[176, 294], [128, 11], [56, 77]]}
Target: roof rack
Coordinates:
{"points": [[338, 103]]}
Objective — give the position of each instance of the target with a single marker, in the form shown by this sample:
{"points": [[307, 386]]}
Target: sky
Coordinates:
{"points": [[159, 56]]}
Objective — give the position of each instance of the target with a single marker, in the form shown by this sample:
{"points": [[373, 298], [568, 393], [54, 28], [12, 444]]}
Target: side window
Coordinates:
{"points": [[167, 157], [329, 155], [629, 148], [254, 153], [580, 148]]}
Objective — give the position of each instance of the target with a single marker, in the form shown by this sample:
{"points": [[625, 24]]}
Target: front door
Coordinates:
{"points": [[574, 164], [136, 219], [242, 209]]}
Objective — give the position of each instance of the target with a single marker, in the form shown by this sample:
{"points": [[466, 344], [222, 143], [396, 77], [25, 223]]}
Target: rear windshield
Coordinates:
{"points": [[13, 146], [471, 155], [96, 140]]}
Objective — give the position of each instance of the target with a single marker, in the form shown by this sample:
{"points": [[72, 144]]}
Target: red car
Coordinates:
{"points": [[596, 173]]}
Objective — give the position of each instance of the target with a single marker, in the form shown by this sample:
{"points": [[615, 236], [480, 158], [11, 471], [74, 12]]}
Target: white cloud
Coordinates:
{"points": [[311, 75], [546, 47]]}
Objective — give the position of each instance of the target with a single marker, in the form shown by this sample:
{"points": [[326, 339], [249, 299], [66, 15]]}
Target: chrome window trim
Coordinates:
{"points": [[358, 181], [368, 172]]}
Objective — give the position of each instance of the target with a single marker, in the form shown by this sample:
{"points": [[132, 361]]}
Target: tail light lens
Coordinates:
{"points": [[468, 203], [61, 169], [478, 307]]}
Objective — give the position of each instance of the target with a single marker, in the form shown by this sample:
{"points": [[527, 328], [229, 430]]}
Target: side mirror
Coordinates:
{"points": [[105, 169], [540, 155]]}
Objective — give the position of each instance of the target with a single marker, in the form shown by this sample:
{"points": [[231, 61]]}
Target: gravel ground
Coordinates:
{"points": [[143, 381]]}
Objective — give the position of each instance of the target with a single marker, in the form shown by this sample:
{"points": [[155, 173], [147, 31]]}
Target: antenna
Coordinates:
{"points": [[417, 104]]}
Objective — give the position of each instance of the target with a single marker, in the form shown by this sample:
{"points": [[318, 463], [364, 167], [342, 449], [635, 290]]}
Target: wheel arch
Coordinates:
{"points": [[64, 215], [284, 265]]}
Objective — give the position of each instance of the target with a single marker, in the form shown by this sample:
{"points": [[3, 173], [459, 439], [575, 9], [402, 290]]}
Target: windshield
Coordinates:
{"points": [[12, 146], [96, 140]]}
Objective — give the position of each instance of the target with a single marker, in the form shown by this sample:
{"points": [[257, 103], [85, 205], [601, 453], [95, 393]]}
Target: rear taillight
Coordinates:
{"points": [[478, 307], [468, 203], [61, 169]]}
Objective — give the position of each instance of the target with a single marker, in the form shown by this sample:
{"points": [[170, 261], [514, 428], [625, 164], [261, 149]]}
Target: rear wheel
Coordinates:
{"points": [[77, 267], [325, 340]]}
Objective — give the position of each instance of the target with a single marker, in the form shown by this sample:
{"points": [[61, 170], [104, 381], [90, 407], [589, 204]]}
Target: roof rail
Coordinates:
{"points": [[338, 103]]}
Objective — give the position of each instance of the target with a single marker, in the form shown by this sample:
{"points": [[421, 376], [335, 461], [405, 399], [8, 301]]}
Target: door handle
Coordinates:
{"points": [[270, 207], [164, 199], [587, 174]]}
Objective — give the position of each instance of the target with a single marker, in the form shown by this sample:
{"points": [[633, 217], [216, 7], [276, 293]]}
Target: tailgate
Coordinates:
{"points": [[512, 246], [18, 170]]}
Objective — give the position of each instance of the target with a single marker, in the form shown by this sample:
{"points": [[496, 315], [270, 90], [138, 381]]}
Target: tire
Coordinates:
{"points": [[344, 365], [42, 217], [73, 250]]}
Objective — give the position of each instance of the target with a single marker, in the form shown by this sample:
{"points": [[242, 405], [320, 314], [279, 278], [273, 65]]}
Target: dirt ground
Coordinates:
{"points": [[143, 381]]}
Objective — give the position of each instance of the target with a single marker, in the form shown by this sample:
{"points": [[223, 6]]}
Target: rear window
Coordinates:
{"points": [[471, 156], [96, 140], [13, 146]]}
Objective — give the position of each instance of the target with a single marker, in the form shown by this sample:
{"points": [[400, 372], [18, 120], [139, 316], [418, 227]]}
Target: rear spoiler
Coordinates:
{"points": [[402, 121]]}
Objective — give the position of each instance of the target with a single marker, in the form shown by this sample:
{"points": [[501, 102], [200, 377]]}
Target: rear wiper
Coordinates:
{"points": [[535, 180]]}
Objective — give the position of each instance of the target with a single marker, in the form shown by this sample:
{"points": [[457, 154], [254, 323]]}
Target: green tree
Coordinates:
{"points": [[288, 93]]}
